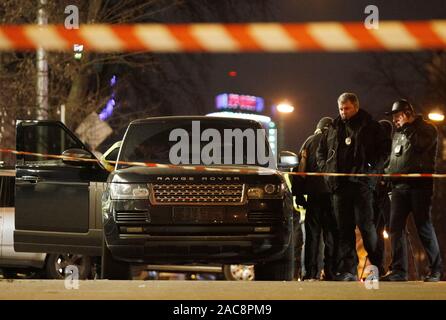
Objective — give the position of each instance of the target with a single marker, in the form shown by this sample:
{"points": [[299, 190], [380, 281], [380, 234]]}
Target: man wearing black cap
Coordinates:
{"points": [[414, 150], [319, 218], [355, 143]]}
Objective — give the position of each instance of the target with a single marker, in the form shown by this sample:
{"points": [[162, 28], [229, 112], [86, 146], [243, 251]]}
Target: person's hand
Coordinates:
{"points": [[400, 119]]}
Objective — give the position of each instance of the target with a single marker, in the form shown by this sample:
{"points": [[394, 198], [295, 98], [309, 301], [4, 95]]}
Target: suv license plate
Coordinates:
{"points": [[198, 215]]}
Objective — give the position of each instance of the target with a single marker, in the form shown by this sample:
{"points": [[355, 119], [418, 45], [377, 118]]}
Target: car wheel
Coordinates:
{"points": [[8, 273], [280, 270], [238, 272], [113, 269], [56, 264]]}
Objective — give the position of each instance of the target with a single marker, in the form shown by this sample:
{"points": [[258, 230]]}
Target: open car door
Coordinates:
{"points": [[57, 202]]}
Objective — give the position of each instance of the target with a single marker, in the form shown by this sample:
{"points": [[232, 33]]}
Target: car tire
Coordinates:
{"points": [[57, 262], [113, 269], [278, 270], [238, 272], [8, 273]]}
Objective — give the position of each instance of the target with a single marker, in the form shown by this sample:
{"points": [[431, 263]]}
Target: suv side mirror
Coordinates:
{"points": [[77, 153], [287, 160]]}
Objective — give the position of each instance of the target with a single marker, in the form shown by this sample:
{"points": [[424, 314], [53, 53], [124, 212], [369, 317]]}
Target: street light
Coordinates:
{"points": [[283, 109], [436, 116]]}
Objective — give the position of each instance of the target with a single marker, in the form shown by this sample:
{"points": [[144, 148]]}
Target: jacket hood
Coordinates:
{"points": [[323, 124]]}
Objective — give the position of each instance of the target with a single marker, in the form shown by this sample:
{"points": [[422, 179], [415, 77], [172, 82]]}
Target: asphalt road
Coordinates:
{"points": [[218, 290]]}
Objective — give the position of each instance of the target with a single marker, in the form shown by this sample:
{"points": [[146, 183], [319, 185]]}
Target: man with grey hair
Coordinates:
{"points": [[355, 143]]}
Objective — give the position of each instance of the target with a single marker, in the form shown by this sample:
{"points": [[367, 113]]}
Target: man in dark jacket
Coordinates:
{"points": [[355, 143], [414, 150], [319, 218]]}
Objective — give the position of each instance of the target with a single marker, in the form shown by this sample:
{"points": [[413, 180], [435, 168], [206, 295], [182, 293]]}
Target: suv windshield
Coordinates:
{"points": [[203, 142]]}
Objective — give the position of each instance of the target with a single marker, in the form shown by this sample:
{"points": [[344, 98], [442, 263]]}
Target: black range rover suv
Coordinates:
{"points": [[219, 213]]}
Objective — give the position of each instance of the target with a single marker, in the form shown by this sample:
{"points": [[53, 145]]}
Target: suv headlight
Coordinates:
{"points": [[267, 191], [119, 191]]}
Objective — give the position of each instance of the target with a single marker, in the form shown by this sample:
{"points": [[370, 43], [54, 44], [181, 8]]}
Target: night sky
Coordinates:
{"points": [[313, 81]]}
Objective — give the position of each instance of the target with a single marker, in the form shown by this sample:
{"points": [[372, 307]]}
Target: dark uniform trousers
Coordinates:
{"points": [[381, 206], [353, 205], [417, 201], [320, 220]]}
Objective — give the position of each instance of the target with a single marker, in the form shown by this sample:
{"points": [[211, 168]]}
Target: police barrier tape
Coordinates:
{"points": [[235, 37], [216, 169]]}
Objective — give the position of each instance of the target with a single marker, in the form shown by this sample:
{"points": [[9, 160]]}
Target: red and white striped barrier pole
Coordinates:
{"points": [[216, 37]]}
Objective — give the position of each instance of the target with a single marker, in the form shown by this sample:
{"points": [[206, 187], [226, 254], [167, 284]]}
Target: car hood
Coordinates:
{"points": [[197, 174]]}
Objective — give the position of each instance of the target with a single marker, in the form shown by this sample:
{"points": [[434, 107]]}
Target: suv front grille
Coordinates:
{"points": [[131, 217], [197, 193], [263, 217]]}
